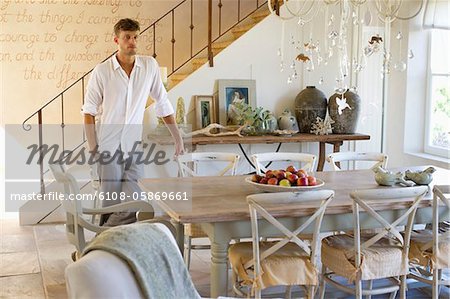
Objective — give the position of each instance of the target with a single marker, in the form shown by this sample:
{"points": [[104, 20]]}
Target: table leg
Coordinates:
{"points": [[179, 234], [219, 269], [337, 149], [321, 162]]}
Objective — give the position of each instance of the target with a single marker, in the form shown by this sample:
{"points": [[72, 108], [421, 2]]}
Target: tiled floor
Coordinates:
{"points": [[33, 259]]}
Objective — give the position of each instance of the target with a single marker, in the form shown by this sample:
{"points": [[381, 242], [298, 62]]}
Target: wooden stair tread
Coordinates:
{"points": [[222, 45], [178, 77], [243, 28]]}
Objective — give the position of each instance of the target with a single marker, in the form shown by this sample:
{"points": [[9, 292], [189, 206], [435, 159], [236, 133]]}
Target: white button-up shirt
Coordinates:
{"points": [[118, 101]]}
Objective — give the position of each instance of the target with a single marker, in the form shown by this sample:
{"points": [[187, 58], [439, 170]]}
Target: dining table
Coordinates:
{"points": [[219, 205]]}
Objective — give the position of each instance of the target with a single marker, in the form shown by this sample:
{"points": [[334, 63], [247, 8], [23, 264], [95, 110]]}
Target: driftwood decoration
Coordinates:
{"points": [[207, 131]]}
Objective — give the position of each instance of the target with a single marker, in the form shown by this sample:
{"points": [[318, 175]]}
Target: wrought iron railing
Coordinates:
{"points": [[153, 27]]}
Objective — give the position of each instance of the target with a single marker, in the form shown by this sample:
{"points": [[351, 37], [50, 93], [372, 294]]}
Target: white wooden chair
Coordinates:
{"points": [[373, 256], [335, 159], [188, 165], [308, 160], [430, 249], [76, 214], [290, 260]]}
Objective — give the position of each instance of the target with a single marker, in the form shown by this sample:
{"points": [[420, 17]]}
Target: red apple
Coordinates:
{"points": [[256, 178], [303, 181], [291, 168], [312, 181], [264, 181], [302, 173], [280, 176], [269, 174], [292, 178], [272, 181]]}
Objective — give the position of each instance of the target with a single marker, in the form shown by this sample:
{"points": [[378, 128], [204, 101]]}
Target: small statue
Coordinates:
{"points": [[181, 112], [287, 121], [421, 177], [388, 178]]}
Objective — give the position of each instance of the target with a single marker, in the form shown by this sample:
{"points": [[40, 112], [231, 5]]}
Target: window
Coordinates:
{"points": [[437, 132]]}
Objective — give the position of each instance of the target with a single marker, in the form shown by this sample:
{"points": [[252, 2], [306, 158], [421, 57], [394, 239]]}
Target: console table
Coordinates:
{"points": [[335, 139]]}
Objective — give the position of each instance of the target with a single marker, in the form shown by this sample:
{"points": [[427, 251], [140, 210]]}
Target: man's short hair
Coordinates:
{"points": [[126, 25]]}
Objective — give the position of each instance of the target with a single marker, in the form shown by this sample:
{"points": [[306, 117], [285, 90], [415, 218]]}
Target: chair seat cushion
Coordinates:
{"points": [[194, 230], [421, 251], [383, 259], [290, 265]]}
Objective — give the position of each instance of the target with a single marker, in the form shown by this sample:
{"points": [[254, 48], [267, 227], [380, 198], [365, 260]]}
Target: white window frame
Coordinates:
{"points": [[428, 148]]}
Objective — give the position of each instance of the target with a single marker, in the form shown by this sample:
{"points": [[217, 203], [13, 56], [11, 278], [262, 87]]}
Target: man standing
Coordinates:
{"points": [[117, 93]]}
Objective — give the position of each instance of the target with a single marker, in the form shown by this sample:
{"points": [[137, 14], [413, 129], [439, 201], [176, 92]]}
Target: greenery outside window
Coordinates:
{"points": [[437, 128]]}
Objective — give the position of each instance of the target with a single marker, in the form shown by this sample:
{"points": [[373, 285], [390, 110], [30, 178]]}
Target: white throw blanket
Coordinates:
{"points": [[152, 257]]}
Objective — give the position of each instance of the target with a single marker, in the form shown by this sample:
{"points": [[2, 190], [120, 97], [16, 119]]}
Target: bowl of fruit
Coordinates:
{"points": [[289, 180]]}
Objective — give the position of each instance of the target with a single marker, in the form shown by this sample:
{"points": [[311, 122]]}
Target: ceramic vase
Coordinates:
{"points": [[287, 121], [345, 111], [310, 103]]}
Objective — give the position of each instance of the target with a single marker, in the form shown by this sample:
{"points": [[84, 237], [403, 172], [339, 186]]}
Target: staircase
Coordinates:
{"points": [[218, 46], [34, 212]]}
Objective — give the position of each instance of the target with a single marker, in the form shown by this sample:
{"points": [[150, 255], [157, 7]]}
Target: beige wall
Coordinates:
{"points": [[45, 45]]}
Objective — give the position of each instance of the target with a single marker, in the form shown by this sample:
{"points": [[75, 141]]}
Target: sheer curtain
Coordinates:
{"points": [[436, 14]]}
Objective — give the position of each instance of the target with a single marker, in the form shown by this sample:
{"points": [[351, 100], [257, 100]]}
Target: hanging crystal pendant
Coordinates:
{"points": [[289, 80], [341, 87], [310, 66], [293, 65], [319, 59], [281, 67], [410, 54], [355, 18], [368, 51], [301, 22], [400, 66], [295, 75], [399, 36], [331, 20], [320, 80]]}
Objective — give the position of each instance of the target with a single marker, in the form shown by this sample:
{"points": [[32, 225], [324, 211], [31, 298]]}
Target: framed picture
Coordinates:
{"points": [[205, 111], [232, 92]]}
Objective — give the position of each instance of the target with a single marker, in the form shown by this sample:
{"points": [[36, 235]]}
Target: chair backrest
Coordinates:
{"points": [[72, 207], [367, 199], [335, 158], [307, 160], [441, 193], [259, 204], [188, 163]]}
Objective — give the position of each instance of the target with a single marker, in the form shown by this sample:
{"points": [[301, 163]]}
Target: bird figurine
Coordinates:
{"points": [[421, 177], [342, 104], [302, 57], [375, 39], [384, 177]]}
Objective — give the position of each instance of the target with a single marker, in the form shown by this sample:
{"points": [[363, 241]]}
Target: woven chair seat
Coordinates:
{"points": [[288, 266], [383, 259], [194, 230], [421, 252]]}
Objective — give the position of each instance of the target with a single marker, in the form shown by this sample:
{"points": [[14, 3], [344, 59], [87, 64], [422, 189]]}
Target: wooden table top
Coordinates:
{"points": [[217, 199], [300, 137]]}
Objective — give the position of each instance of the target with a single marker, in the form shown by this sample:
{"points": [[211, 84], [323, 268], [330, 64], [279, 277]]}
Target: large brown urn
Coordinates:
{"points": [[310, 103], [346, 121]]}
